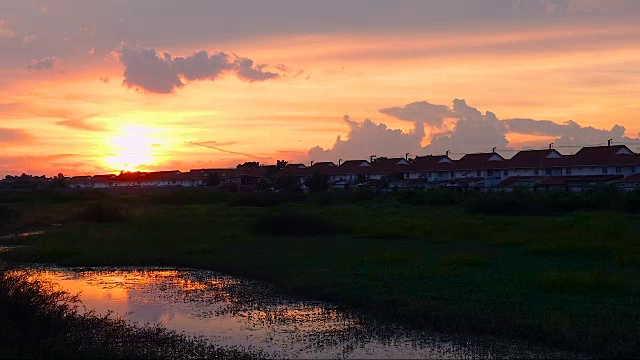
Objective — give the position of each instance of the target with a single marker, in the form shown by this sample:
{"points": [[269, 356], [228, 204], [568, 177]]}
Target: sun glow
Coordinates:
{"points": [[132, 148]]}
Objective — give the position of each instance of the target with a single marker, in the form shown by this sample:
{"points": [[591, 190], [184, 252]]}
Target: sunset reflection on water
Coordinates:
{"points": [[241, 313]]}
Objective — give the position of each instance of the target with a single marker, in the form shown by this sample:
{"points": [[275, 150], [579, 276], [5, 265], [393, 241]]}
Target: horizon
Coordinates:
{"points": [[97, 88]]}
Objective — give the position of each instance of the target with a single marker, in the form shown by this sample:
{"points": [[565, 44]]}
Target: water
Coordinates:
{"points": [[21, 235], [241, 313]]}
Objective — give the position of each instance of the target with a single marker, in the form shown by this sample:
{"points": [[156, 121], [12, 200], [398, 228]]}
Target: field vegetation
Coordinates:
{"points": [[560, 269]]}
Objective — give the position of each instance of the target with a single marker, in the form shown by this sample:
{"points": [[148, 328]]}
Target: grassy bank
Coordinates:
{"points": [[37, 321], [570, 280]]}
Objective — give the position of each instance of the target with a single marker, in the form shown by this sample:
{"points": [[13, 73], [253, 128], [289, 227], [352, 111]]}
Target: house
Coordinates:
{"points": [[431, 168], [299, 171], [535, 163], [603, 160], [80, 182], [468, 183], [488, 166], [324, 168], [630, 183], [102, 181], [158, 179], [193, 179], [511, 183], [392, 168], [351, 172]]}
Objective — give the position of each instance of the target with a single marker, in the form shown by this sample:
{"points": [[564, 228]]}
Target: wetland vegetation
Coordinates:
{"points": [[563, 272]]}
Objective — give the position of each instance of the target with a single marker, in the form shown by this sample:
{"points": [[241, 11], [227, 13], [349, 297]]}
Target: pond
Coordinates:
{"points": [[235, 312]]}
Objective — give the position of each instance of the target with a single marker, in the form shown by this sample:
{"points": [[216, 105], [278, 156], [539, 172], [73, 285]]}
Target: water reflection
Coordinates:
{"points": [[21, 235], [234, 312]]}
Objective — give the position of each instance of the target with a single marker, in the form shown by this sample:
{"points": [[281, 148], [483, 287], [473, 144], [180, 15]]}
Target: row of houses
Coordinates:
{"points": [[534, 169]]}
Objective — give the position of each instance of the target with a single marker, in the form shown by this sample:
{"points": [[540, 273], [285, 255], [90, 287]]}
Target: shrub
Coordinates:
{"points": [[102, 213], [294, 224], [562, 201], [516, 203], [267, 199], [7, 214]]}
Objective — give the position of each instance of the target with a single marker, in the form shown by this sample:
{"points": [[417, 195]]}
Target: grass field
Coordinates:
{"points": [[571, 281]]}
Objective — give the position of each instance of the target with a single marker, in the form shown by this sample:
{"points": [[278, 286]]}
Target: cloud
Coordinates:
{"points": [[568, 133], [5, 30], [43, 64], [81, 124], [13, 135], [162, 73], [217, 143], [422, 112], [368, 138], [472, 131]]}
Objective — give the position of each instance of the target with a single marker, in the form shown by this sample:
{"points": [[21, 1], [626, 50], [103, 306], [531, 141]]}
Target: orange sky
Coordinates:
{"points": [[77, 117]]}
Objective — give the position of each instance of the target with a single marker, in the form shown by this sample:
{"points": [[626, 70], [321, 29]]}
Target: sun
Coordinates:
{"points": [[132, 148]]}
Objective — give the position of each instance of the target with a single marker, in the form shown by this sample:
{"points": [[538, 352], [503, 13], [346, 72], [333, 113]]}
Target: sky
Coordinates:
{"points": [[93, 87]]}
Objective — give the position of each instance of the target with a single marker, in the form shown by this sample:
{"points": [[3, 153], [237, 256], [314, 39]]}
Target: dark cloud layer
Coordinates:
{"points": [[71, 28], [473, 132], [162, 73]]}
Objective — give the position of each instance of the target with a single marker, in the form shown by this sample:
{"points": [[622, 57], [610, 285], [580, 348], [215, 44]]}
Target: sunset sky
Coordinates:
{"points": [[91, 86]]}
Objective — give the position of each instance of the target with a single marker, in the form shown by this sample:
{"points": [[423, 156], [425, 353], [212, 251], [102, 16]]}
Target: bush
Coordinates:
{"points": [[515, 203], [103, 213], [562, 201], [294, 224], [267, 199], [432, 197], [7, 214]]}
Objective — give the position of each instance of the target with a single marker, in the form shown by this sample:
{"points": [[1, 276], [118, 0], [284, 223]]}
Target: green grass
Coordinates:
{"points": [[570, 281]]}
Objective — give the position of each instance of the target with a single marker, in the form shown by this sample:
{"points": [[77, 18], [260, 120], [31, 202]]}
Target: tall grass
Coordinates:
{"points": [[39, 321]]}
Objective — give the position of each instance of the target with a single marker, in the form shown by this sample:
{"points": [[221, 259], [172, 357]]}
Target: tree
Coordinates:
{"points": [[317, 182], [263, 184], [249, 164], [288, 183], [213, 179], [280, 164]]}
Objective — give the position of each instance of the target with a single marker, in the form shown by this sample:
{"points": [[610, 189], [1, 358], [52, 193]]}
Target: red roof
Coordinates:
{"points": [[325, 168], [565, 180], [160, 176], [253, 172], [602, 155], [432, 163], [354, 167], [512, 180], [479, 161], [635, 178], [79, 180], [389, 166], [294, 170], [533, 159]]}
